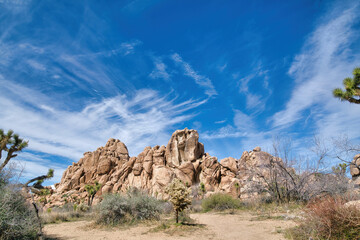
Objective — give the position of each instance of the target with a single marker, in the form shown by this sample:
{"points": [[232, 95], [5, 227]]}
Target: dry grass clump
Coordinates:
{"points": [[328, 218], [66, 213], [56, 217]]}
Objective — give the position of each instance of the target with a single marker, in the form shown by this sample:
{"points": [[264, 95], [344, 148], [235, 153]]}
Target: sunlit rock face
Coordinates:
{"points": [[155, 167], [355, 170]]}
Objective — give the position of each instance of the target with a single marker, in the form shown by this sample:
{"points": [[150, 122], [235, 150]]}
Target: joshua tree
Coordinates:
{"points": [[352, 88], [179, 196], [92, 190], [10, 143], [36, 188]]}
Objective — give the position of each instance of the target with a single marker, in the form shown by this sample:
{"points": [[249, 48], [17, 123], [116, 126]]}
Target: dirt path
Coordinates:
{"points": [[217, 226], [243, 226]]}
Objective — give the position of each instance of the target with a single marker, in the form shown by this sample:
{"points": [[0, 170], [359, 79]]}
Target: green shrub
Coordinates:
{"points": [[82, 208], [144, 206], [44, 192], [17, 218], [116, 208], [112, 209], [220, 202]]}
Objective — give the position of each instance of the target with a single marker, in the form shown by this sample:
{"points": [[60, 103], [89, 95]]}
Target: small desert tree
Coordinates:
{"points": [[10, 143], [179, 196], [352, 88], [92, 190]]}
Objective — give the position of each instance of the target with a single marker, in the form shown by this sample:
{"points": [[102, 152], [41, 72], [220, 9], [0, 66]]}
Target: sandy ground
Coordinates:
{"points": [[214, 226]]}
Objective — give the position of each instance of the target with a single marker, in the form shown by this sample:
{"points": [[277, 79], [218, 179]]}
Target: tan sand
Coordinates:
{"points": [[243, 226]]}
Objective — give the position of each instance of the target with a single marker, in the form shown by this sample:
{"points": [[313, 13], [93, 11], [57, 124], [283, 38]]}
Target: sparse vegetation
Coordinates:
{"points": [[285, 178], [17, 218], [135, 206], [220, 202], [328, 218]]}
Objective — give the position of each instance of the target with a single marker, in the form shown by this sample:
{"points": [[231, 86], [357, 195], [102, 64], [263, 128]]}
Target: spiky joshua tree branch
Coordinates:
{"points": [[10, 143], [352, 89]]}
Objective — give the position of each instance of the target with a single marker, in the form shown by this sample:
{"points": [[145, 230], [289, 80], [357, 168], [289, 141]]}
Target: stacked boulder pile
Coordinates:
{"points": [[154, 168]]}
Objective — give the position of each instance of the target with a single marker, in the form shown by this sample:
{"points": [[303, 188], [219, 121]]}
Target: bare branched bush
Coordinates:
{"points": [[286, 178], [329, 218], [345, 150]]}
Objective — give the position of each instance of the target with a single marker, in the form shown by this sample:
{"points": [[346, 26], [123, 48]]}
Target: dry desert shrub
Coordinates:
{"points": [[329, 218], [17, 217], [116, 208]]}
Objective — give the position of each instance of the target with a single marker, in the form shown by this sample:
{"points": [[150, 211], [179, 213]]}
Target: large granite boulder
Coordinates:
{"points": [[184, 147]]}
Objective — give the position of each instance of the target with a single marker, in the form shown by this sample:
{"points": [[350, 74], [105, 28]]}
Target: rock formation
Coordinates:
{"points": [[355, 170], [154, 168]]}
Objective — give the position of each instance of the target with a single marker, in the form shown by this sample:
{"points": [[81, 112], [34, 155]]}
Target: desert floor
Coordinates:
{"points": [[241, 225]]}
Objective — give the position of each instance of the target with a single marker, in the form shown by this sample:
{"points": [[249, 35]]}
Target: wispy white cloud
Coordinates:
{"points": [[160, 70], [221, 121], [243, 122], [224, 132], [324, 61], [80, 62], [243, 125], [139, 120], [200, 80], [137, 6], [35, 165], [124, 49], [221, 68], [128, 47], [255, 102], [36, 65], [15, 5]]}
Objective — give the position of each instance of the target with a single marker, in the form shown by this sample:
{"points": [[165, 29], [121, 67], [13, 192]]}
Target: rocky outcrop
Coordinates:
{"points": [[184, 147], [154, 168], [355, 170]]}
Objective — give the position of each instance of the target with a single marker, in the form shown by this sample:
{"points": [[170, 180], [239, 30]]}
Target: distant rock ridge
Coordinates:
{"points": [[155, 167]]}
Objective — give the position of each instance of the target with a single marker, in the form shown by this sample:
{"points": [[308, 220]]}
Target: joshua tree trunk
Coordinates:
{"points": [[92, 199], [40, 233], [177, 216]]}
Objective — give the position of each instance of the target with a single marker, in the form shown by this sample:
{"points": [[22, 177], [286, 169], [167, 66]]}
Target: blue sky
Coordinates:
{"points": [[75, 73]]}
